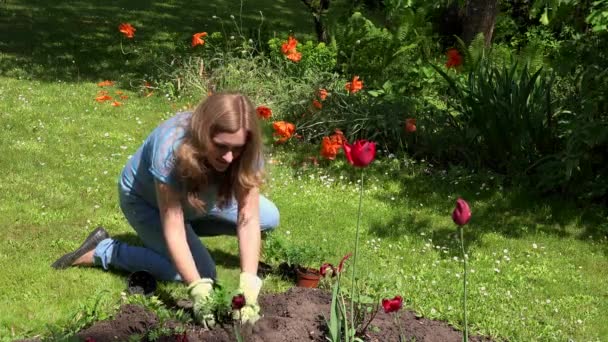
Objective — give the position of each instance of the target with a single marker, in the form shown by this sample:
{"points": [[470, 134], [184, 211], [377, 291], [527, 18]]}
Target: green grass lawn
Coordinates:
{"points": [[538, 267], [80, 40]]}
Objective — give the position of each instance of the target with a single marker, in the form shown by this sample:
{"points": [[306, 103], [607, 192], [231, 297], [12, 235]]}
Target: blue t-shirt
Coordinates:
{"points": [[155, 160]]}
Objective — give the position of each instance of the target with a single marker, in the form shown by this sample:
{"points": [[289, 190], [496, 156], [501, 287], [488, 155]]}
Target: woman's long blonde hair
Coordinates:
{"points": [[220, 113]]}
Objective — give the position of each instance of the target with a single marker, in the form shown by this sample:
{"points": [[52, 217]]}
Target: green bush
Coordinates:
{"points": [[503, 115]]}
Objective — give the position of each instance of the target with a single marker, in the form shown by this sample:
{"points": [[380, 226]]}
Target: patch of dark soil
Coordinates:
{"points": [[296, 315]]}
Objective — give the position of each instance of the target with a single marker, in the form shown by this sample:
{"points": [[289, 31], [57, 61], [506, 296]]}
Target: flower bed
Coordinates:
{"points": [[296, 315]]}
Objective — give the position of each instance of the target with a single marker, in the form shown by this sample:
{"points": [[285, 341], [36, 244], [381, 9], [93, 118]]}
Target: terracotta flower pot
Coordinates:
{"points": [[308, 277]]}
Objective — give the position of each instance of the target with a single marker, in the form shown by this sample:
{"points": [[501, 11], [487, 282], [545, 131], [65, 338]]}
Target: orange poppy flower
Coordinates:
{"points": [[102, 98], [337, 138], [410, 125], [295, 57], [116, 104], [317, 104], [329, 150], [263, 112], [284, 130], [289, 46], [127, 30], [322, 94], [197, 38], [124, 97], [454, 59], [354, 86], [105, 83]]}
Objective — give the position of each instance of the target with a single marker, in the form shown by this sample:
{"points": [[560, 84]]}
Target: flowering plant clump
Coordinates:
{"points": [[461, 216]]}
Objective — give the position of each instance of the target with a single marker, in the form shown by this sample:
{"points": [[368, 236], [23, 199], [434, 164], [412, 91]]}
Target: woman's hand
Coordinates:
{"points": [[200, 292], [250, 286]]}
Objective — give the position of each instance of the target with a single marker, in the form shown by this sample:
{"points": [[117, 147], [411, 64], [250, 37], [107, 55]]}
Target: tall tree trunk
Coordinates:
{"points": [[317, 9], [480, 16], [321, 30]]}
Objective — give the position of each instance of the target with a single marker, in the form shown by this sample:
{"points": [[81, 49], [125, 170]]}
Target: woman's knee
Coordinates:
{"points": [[269, 215]]}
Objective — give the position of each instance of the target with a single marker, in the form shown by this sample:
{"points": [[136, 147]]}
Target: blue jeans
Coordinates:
{"points": [[154, 257]]}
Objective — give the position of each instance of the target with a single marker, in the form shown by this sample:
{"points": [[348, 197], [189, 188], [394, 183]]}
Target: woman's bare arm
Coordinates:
{"points": [[172, 218], [248, 229]]}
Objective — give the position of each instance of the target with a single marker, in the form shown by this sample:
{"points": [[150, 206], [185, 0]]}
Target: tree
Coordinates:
{"points": [[317, 8], [479, 17]]}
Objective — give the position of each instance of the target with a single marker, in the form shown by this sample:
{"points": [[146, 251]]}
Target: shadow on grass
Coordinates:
{"points": [[79, 40], [514, 212]]}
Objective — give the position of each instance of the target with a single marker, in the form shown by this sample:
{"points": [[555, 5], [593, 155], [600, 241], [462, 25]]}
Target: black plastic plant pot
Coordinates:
{"points": [[141, 282]]}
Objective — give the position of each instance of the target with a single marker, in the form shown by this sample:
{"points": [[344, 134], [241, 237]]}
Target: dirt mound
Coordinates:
{"points": [[296, 315]]}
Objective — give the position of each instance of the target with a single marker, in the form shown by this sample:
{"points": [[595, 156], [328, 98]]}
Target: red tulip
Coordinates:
{"points": [[344, 258], [238, 302], [462, 212], [361, 153], [325, 267], [392, 305]]}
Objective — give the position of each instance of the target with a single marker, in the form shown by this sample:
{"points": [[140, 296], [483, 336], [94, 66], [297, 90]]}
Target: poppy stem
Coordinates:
{"points": [[465, 337], [352, 292]]}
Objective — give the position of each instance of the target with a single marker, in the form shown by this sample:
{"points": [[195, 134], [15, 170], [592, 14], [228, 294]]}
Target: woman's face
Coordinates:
{"points": [[225, 148]]}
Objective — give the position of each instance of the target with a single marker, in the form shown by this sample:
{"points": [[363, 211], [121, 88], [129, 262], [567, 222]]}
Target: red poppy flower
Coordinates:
{"points": [[197, 38], [454, 59], [392, 305], [284, 130], [317, 104], [410, 125], [341, 264], [127, 30], [462, 213], [329, 150], [264, 112], [361, 153], [124, 97], [322, 94], [289, 46], [116, 104], [238, 302], [354, 86], [105, 83], [327, 267]]}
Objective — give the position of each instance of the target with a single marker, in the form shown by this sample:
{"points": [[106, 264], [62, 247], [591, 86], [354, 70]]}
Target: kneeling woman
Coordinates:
{"points": [[197, 174]]}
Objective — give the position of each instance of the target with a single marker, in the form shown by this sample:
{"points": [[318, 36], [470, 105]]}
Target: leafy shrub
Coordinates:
{"points": [[581, 166], [316, 57], [504, 116], [378, 54]]}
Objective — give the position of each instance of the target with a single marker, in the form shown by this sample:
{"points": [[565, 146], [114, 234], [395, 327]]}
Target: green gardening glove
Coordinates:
{"points": [[200, 292], [250, 286]]}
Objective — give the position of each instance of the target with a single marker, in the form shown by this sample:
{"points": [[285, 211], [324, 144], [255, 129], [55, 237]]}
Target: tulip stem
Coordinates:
{"points": [[352, 292], [465, 337]]}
